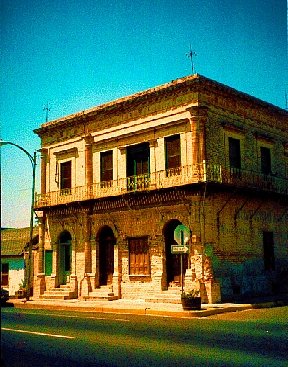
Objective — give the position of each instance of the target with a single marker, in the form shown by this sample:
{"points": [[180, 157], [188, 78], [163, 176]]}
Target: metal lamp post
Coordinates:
{"points": [[33, 162]]}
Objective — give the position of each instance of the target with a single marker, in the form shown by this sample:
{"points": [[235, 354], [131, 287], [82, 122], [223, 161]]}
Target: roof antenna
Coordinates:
{"points": [[190, 55], [286, 100], [47, 109]]}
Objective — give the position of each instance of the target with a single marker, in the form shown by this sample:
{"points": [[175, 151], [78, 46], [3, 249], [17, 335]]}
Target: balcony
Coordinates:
{"points": [[164, 179]]}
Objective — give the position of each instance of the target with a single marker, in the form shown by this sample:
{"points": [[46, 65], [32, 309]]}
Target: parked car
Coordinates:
{"points": [[4, 296]]}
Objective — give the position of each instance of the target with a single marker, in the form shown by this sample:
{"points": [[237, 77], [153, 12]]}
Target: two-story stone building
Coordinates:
{"points": [[116, 180]]}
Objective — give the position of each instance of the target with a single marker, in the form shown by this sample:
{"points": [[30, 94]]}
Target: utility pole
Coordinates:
{"points": [[190, 55], [28, 270]]}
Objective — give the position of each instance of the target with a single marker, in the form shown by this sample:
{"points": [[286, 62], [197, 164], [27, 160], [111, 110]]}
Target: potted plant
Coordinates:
{"points": [[21, 291], [191, 300]]}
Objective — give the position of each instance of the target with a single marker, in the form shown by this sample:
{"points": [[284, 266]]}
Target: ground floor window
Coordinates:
{"points": [[268, 251], [4, 274], [139, 257]]}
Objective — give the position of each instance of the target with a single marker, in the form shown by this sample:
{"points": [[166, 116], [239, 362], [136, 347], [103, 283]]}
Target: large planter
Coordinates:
{"points": [[191, 303], [20, 293]]}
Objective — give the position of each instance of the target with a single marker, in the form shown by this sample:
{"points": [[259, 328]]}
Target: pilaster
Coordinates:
{"points": [[44, 156], [39, 285], [88, 162], [87, 243], [198, 120]]}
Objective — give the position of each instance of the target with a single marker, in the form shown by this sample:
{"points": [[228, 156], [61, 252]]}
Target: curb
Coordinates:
{"points": [[148, 311]]}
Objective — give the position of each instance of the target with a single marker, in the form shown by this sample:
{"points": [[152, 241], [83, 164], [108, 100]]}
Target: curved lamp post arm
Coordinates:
{"points": [[31, 158], [33, 162]]}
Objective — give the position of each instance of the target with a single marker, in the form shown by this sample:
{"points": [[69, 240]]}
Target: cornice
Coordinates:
{"points": [[165, 97]]}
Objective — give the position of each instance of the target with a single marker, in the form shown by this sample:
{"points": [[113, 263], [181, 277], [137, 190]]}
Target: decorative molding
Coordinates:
{"points": [[72, 152], [228, 126], [264, 137]]}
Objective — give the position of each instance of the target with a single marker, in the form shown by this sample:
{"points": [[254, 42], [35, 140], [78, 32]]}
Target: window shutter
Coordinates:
{"points": [[107, 166], [173, 154], [65, 175]]}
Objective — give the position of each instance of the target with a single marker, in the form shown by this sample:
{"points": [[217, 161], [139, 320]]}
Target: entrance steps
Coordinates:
{"points": [[102, 293], [62, 292], [171, 295]]}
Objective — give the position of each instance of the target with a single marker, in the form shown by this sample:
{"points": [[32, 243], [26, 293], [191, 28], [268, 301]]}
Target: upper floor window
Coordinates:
{"points": [[234, 153], [138, 157], [265, 154], [139, 258], [106, 166], [172, 152], [65, 175]]}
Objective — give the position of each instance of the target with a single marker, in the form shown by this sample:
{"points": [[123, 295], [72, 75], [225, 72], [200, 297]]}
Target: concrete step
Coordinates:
{"points": [[65, 286], [104, 293], [100, 297], [56, 296], [61, 293], [169, 296], [58, 290]]}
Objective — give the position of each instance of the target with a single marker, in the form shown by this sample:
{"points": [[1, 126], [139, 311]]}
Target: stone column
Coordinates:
{"points": [[152, 145], [40, 285], [41, 244], [88, 163], [44, 155], [199, 117], [116, 282], [55, 261], [122, 182], [156, 245], [87, 244], [85, 284]]}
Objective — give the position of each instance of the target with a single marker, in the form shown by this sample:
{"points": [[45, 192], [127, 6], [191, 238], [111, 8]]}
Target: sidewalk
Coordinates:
{"points": [[136, 307]]}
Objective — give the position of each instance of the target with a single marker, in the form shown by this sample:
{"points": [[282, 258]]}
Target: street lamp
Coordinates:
{"points": [[33, 162]]}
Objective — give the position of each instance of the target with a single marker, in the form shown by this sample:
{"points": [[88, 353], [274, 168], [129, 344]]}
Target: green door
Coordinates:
{"points": [[48, 262]]}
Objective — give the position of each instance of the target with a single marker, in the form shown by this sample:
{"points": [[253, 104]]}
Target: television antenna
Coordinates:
{"points": [[190, 55], [47, 109]]}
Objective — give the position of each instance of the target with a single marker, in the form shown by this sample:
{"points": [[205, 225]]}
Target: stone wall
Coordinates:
{"points": [[229, 225]]}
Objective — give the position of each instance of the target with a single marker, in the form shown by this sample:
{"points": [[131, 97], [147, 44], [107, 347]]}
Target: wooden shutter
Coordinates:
{"points": [[107, 166], [65, 175], [173, 154]]}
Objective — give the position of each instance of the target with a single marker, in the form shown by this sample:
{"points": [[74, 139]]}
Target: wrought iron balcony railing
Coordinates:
{"points": [[163, 179]]}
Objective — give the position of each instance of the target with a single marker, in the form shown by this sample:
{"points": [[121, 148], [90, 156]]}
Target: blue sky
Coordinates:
{"points": [[79, 54]]}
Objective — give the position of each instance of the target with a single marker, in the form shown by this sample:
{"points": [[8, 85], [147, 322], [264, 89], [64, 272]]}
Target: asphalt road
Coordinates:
{"points": [[38, 338]]}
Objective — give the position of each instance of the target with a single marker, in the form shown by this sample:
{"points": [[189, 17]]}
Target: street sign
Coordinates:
{"points": [[175, 249], [182, 234]]}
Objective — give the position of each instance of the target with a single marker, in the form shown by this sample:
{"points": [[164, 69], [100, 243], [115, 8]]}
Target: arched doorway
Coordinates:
{"points": [[65, 252], [173, 262], [106, 240]]}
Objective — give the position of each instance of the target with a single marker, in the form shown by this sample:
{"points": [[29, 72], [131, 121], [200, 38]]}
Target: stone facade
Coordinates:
{"points": [[191, 152]]}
